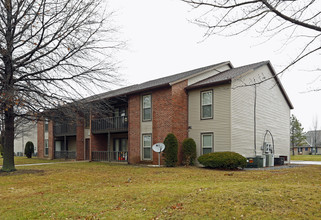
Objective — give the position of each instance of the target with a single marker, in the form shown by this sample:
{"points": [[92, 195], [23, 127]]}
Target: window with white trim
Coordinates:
{"points": [[147, 107], [46, 147], [207, 104], [207, 143], [147, 146], [46, 125]]}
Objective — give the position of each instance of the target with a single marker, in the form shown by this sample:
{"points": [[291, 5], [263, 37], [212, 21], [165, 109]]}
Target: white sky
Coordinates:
{"points": [[161, 41]]}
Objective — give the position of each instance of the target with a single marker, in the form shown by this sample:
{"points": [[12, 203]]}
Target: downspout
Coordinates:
{"points": [[255, 119]]}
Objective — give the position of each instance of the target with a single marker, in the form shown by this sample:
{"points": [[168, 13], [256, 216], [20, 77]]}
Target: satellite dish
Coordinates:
{"points": [[159, 147]]}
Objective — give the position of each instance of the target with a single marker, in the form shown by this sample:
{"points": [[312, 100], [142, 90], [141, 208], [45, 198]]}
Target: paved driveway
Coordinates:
{"points": [[301, 162]]}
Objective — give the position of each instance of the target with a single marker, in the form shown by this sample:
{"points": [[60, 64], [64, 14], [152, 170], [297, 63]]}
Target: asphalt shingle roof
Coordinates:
{"points": [[165, 81], [227, 75]]}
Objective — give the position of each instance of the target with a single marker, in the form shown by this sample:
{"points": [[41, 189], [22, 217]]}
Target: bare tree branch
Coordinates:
{"points": [[52, 54]]}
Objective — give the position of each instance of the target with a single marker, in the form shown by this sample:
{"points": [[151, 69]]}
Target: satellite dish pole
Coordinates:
{"points": [[158, 148]]}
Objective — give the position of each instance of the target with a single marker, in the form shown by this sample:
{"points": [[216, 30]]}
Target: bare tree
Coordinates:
{"points": [[315, 134], [51, 52], [296, 21]]}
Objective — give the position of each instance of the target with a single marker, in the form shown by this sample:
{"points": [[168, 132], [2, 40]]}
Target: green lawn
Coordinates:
{"points": [[307, 157], [25, 160], [107, 191]]}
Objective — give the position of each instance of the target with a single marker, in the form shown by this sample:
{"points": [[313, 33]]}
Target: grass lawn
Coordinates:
{"points": [[307, 157], [107, 191], [25, 160]]}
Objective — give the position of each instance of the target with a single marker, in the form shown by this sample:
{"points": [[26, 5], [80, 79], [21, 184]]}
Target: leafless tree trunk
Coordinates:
{"points": [[296, 21], [52, 52], [315, 134]]}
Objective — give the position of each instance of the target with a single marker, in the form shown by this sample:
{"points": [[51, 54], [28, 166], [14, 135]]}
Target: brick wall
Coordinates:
{"points": [[162, 117], [80, 147], [180, 115], [99, 142], [134, 129], [40, 138], [169, 106]]}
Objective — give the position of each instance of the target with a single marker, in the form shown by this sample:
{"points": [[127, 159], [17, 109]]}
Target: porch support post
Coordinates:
{"points": [[65, 143], [108, 150]]}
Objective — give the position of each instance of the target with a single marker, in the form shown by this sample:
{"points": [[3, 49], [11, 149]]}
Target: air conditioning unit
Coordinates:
{"points": [[255, 162]]}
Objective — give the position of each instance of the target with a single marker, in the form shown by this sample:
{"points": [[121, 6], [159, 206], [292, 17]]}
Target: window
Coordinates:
{"points": [[147, 147], [46, 147], [46, 125], [207, 143], [207, 104], [306, 149], [147, 107]]}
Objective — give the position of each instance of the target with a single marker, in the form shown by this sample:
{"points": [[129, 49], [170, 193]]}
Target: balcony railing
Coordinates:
{"points": [[109, 124], [65, 129], [118, 156], [65, 155]]}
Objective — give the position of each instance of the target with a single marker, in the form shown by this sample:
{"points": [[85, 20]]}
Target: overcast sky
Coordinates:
{"points": [[162, 41]]}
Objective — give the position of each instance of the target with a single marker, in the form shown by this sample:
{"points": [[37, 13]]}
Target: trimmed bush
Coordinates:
{"points": [[171, 149], [189, 151], [29, 149], [223, 160]]}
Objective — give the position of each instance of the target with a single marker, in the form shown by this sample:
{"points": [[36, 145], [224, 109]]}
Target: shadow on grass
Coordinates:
{"points": [[22, 172]]}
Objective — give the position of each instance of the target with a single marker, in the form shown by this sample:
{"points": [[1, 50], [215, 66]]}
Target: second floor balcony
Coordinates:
{"points": [[110, 124], [65, 129]]}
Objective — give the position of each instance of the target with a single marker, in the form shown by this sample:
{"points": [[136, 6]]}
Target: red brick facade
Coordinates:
{"points": [[162, 117], [180, 115], [169, 115], [134, 129], [41, 140], [99, 142]]}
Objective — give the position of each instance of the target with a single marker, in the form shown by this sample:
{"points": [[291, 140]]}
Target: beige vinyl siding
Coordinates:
{"points": [[272, 113], [207, 74], [219, 125], [29, 134]]}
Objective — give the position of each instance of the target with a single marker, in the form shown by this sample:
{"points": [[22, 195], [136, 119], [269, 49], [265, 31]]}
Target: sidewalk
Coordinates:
{"points": [[301, 162], [38, 164]]}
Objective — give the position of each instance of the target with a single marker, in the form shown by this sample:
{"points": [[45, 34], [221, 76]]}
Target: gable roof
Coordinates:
{"points": [[156, 83], [227, 76]]}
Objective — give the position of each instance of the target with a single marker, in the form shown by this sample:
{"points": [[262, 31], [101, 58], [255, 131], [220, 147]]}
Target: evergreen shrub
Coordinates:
{"points": [[171, 149], [29, 149], [223, 160], [189, 151]]}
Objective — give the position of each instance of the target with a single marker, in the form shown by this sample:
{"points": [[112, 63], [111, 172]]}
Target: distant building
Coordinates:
{"points": [[25, 132], [313, 139]]}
